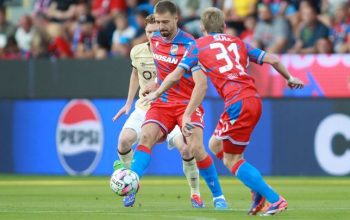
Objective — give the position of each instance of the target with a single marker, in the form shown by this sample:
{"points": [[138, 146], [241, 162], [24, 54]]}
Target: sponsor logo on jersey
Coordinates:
{"points": [[173, 50], [79, 137], [147, 75], [166, 59]]}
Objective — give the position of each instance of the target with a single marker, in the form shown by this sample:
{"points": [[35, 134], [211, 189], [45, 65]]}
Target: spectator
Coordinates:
{"points": [[137, 5], [248, 33], [41, 7], [237, 10], [104, 11], [24, 33], [7, 29], [280, 7], [311, 32], [324, 46], [191, 11], [271, 34], [39, 45], [59, 46], [87, 42], [235, 13], [340, 31], [140, 36], [11, 50], [122, 36], [61, 10], [82, 10]]}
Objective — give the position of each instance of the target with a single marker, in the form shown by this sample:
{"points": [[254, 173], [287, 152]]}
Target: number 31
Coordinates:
{"points": [[224, 55]]}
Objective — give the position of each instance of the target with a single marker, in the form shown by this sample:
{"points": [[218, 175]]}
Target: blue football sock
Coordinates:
{"points": [[208, 171], [252, 178], [140, 160]]}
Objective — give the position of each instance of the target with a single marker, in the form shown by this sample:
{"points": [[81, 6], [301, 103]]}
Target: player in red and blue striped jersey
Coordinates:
{"points": [[178, 99], [224, 59], [168, 55]]}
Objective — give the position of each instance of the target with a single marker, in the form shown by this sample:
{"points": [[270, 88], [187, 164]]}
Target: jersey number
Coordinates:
{"points": [[224, 56]]}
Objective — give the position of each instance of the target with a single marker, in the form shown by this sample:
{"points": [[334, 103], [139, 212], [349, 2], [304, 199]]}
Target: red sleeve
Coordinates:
{"points": [[96, 4], [117, 5], [63, 47]]}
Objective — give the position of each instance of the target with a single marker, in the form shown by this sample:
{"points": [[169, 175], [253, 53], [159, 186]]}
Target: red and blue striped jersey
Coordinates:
{"points": [[180, 51], [225, 58]]}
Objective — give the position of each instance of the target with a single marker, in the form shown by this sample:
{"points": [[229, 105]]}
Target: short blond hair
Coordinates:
{"points": [[150, 19], [213, 20]]}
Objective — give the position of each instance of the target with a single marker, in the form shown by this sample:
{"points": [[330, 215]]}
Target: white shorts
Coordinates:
{"points": [[135, 121]]}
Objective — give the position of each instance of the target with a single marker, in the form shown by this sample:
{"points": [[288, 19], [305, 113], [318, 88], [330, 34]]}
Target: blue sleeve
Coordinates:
{"points": [[255, 55], [190, 58], [195, 68]]}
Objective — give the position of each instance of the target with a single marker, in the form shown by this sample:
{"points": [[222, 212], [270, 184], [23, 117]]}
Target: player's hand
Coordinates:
{"points": [[149, 98], [295, 83], [124, 110], [150, 87], [187, 126]]}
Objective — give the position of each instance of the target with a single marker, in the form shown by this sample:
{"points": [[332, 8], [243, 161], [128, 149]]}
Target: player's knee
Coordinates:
{"points": [[186, 153], [214, 145], [230, 161], [147, 138], [198, 152], [125, 143]]}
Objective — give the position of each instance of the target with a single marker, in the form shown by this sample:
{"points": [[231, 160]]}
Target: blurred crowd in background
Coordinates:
{"points": [[97, 29]]}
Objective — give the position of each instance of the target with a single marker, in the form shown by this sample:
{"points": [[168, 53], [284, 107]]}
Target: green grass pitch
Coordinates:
{"points": [[38, 197]]}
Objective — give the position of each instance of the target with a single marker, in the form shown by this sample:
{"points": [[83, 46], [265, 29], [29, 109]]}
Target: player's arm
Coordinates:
{"points": [[273, 60], [259, 56], [198, 93], [133, 87], [168, 82]]}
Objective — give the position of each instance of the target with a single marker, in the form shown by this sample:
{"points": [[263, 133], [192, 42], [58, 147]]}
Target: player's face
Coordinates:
{"points": [[150, 29], [167, 24]]}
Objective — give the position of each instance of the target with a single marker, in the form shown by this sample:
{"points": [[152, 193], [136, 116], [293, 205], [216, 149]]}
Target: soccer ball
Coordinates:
{"points": [[124, 182]]}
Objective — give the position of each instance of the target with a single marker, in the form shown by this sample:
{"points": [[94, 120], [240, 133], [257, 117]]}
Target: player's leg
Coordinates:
{"points": [[252, 178], [189, 165], [150, 134], [158, 121], [206, 167], [129, 136], [215, 146], [126, 139], [245, 114], [258, 201]]}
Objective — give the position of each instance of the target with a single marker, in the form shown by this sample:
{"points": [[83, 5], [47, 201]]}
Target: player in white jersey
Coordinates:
{"points": [[144, 76]]}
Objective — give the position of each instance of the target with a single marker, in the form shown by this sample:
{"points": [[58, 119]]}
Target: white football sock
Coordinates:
{"points": [[191, 172], [126, 158]]}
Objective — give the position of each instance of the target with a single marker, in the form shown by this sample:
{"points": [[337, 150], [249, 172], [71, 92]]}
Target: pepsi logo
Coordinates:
{"points": [[79, 137]]}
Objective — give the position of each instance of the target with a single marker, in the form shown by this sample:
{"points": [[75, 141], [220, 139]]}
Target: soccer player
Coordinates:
{"points": [[175, 56], [224, 59], [143, 74]]}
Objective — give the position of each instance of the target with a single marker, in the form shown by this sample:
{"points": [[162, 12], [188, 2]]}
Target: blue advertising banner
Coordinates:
{"points": [[78, 137], [311, 137]]}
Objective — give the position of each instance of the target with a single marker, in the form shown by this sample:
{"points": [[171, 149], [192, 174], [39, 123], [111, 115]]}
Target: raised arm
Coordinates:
{"points": [[293, 82], [259, 56]]}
